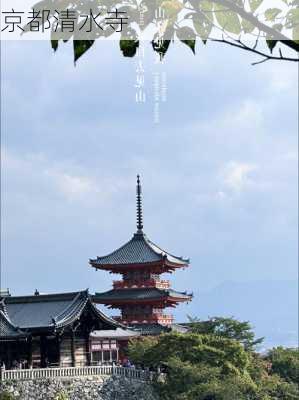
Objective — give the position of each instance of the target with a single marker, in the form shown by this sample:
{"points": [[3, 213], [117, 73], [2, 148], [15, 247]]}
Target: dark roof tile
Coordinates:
{"points": [[7, 329], [50, 311], [138, 250], [138, 294]]}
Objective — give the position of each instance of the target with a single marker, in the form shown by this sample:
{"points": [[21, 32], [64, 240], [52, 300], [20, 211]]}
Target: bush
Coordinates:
{"points": [[285, 363], [61, 396], [6, 396]]}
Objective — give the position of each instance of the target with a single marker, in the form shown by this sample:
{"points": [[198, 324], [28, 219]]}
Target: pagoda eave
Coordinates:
{"points": [[166, 302], [157, 267], [140, 294]]}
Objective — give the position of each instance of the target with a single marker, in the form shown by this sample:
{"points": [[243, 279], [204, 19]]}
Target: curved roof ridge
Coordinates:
{"points": [[137, 294], [151, 243], [73, 314], [121, 247], [7, 327], [139, 250], [3, 309], [107, 318], [41, 297], [65, 314]]}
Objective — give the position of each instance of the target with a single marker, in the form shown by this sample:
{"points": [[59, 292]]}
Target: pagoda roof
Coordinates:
{"points": [[140, 294], [138, 250], [8, 331], [51, 311]]}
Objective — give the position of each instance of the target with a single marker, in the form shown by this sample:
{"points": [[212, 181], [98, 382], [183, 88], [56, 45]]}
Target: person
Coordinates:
{"points": [[127, 363]]}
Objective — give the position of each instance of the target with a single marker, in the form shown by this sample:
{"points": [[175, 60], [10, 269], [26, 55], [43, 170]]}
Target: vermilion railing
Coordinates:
{"points": [[160, 284], [137, 319]]}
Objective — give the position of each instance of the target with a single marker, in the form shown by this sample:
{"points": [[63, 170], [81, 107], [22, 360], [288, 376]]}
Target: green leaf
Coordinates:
{"points": [[128, 47], [247, 26], [203, 26], [171, 8], [190, 44], [187, 36], [161, 46], [205, 6], [228, 20], [54, 44], [292, 18], [254, 4], [296, 33], [80, 47], [272, 13], [277, 27], [271, 44]]}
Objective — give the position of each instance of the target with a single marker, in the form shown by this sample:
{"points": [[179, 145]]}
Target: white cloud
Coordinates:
{"points": [[236, 175], [71, 186], [35, 170], [249, 110]]}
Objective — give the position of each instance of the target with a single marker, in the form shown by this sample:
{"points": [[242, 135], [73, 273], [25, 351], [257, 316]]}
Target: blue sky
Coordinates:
{"points": [[219, 171]]}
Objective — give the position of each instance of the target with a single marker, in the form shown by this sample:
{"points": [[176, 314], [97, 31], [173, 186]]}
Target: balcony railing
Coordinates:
{"points": [[71, 372], [160, 284], [151, 319]]}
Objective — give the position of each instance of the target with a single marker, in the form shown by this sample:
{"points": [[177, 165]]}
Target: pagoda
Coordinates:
{"points": [[141, 295]]}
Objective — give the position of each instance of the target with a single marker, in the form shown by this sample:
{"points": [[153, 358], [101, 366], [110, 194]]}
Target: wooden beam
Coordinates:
{"points": [[58, 342], [29, 349], [87, 349], [42, 351], [73, 348]]}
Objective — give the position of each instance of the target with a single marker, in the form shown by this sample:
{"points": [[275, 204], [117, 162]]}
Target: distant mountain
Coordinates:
{"points": [[270, 306]]}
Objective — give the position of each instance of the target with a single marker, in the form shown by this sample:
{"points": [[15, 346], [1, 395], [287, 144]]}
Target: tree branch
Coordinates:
{"points": [[266, 56], [264, 28]]}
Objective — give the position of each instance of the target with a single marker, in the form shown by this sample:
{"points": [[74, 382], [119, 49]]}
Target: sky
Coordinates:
{"points": [[219, 170]]}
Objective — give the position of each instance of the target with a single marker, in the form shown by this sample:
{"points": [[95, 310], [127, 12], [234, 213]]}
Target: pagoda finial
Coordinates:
{"points": [[139, 206]]}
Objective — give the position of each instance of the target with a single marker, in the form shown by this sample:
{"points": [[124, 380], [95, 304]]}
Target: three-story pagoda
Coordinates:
{"points": [[141, 295]]}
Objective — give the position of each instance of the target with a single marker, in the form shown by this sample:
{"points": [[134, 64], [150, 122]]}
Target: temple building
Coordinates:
{"points": [[141, 295], [68, 330], [64, 329]]}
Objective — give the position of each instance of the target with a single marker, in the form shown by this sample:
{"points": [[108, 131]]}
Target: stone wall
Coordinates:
{"points": [[89, 388]]}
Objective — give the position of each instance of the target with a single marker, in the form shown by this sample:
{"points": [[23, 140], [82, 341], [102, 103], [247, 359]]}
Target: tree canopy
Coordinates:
{"points": [[227, 327], [240, 23], [212, 366], [285, 363]]}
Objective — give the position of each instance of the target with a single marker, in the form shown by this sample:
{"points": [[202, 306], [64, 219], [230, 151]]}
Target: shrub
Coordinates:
{"points": [[61, 396], [6, 396]]}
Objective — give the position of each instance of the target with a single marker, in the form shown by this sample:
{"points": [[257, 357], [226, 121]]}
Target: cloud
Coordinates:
{"points": [[219, 173], [67, 180], [237, 175], [72, 186]]}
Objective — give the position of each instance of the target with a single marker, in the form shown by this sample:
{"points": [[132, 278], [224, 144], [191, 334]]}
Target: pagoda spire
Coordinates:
{"points": [[139, 206]]}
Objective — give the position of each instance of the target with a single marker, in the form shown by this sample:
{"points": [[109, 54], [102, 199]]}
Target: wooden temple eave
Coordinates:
{"points": [[173, 266], [122, 268], [167, 302], [164, 266]]}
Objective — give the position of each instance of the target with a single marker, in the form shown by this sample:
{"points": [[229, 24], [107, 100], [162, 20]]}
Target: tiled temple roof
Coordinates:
{"points": [[139, 250], [51, 311], [8, 330], [139, 294]]}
